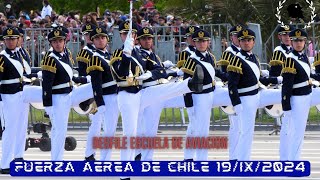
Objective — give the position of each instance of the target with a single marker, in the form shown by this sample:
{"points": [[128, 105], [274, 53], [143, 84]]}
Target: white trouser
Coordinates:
{"points": [[94, 131], [12, 106], [110, 122], [149, 121], [139, 101], [190, 153], [202, 112], [247, 117], [315, 96], [1, 115], [61, 105], [246, 120], [300, 106], [221, 98], [30, 94]]}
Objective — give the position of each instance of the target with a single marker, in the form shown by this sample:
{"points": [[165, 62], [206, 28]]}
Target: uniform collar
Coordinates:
{"points": [[286, 48], [147, 51], [91, 46], [245, 53], [192, 48], [101, 52], [201, 54], [10, 52], [235, 48]]}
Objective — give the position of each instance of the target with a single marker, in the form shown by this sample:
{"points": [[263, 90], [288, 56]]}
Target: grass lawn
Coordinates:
{"points": [[173, 117]]}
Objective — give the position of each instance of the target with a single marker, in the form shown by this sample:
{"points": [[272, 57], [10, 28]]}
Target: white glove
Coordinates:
{"points": [[88, 78], [101, 109], [144, 76], [39, 74], [49, 110], [167, 64], [128, 44], [280, 79], [287, 114], [180, 72], [238, 109], [264, 73]]}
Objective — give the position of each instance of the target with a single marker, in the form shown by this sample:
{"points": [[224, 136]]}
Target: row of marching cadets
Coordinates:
{"points": [[57, 94]]}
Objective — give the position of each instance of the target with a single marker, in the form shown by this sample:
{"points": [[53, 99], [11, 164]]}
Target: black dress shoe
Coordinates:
{"points": [[18, 159], [188, 160], [125, 179], [90, 158], [138, 157], [5, 171], [196, 83]]}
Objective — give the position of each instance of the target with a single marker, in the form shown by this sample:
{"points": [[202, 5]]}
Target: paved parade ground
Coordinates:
{"points": [[265, 147]]}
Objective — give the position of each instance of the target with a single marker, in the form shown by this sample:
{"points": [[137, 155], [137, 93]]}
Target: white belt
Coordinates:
{"points": [[248, 89], [156, 82], [12, 81], [61, 86], [207, 86], [108, 84], [302, 84], [126, 84]]}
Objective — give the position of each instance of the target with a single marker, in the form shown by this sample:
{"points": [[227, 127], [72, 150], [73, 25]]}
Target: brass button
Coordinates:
{"points": [[231, 92], [284, 97]]}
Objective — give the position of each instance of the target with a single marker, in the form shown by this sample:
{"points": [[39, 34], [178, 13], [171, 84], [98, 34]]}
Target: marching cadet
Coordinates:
{"points": [[129, 70], [226, 56], [85, 54], [243, 83], [150, 116], [280, 52], [29, 93], [202, 101], [279, 55], [104, 87], [231, 50], [11, 76], [296, 93], [315, 100], [183, 56], [83, 58], [57, 91]]}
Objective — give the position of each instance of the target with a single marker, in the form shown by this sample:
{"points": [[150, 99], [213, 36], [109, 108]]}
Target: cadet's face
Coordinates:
{"points": [[285, 39], [146, 42], [124, 36], [247, 44], [190, 41], [58, 44], [11, 43], [87, 38], [202, 45], [235, 40], [100, 42], [298, 44]]}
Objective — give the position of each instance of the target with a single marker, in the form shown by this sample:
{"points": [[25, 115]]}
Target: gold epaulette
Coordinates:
{"points": [[94, 64], [277, 59], [214, 59], [117, 55], [289, 66], [83, 56], [70, 56], [1, 64], [189, 66], [225, 58], [235, 65], [48, 64], [46, 54], [183, 56], [316, 61]]}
